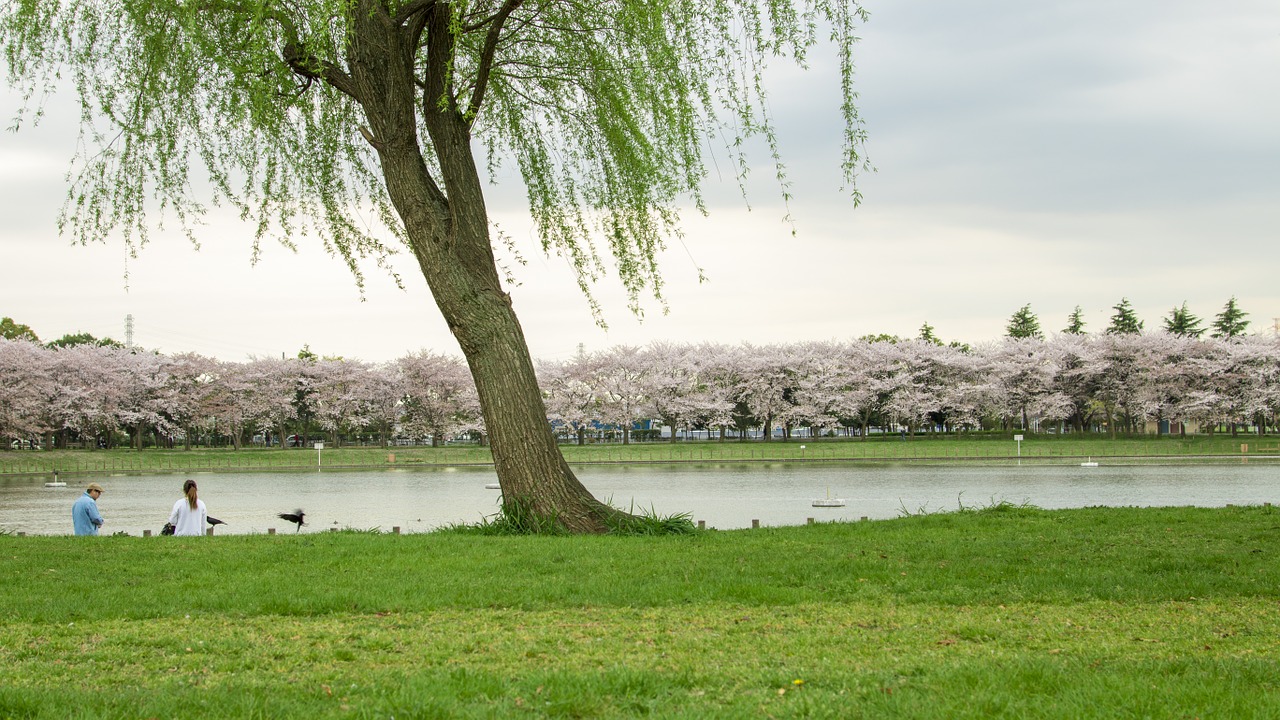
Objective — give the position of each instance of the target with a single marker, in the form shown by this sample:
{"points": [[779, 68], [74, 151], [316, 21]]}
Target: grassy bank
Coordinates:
{"points": [[1007, 611], [948, 449]]}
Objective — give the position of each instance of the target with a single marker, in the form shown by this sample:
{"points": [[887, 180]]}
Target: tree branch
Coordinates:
{"points": [[486, 55], [414, 7], [310, 66]]}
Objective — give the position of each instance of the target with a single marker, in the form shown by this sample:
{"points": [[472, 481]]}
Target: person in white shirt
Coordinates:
{"points": [[189, 514]]}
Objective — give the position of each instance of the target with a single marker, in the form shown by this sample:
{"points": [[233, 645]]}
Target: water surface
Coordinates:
{"points": [[723, 495]]}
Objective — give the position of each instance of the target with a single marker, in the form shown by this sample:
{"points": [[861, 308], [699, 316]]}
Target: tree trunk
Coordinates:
{"points": [[448, 231]]}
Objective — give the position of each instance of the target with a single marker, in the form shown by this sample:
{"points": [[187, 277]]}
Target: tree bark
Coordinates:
{"points": [[448, 231]]}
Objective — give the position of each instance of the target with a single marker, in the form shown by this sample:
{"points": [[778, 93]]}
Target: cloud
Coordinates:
{"points": [[1056, 154]]}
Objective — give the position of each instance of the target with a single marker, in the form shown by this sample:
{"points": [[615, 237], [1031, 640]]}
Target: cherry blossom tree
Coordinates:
{"points": [[384, 405], [228, 403], [142, 392], [272, 395], [1123, 369], [919, 372], [1077, 377], [720, 375], [438, 396], [185, 393], [1026, 369], [821, 385], [345, 393], [571, 399], [88, 395], [26, 390], [673, 386], [768, 386], [618, 375]]}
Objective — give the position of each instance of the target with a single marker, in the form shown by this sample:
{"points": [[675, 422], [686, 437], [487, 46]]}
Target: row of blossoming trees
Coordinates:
{"points": [[1117, 383]]}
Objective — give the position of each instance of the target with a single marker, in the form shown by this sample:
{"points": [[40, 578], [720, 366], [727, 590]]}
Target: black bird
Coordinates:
{"points": [[215, 521], [294, 517]]}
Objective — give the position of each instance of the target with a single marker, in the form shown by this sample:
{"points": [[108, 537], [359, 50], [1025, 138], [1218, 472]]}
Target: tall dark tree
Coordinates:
{"points": [[1230, 322], [1125, 321], [310, 115], [1182, 323], [1025, 324], [1075, 322]]}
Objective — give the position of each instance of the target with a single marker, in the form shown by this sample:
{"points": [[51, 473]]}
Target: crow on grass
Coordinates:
{"points": [[294, 517]]}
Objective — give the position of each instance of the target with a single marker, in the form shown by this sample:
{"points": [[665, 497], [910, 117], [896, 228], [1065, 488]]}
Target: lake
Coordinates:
{"points": [[726, 496]]}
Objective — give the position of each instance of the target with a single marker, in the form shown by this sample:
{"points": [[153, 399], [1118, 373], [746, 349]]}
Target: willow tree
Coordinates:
{"points": [[312, 116]]}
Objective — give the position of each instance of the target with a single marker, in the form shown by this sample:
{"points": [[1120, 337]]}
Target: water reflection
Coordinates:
{"points": [[724, 495]]}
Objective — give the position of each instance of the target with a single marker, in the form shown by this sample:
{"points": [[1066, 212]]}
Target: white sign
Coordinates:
{"points": [[320, 445], [1017, 438]]}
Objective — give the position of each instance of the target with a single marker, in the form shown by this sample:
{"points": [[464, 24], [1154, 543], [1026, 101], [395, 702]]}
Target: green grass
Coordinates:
{"points": [[1005, 611], [937, 448]]}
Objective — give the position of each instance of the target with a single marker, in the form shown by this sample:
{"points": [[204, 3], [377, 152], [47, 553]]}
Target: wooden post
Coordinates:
{"points": [[810, 521], [271, 531], [396, 529], [864, 518], [755, 524], [702, 524], [146, 533]]}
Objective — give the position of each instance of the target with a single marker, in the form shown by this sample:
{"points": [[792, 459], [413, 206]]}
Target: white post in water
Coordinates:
{"points": [[319, 447], [1018, 439]]}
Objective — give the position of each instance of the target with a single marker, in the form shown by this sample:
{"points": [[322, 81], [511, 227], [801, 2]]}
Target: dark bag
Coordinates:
{"points": [[167, 529]]}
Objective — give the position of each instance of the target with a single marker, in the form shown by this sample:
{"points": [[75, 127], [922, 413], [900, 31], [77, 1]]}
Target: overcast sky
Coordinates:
{"points": [[1057, 154]]}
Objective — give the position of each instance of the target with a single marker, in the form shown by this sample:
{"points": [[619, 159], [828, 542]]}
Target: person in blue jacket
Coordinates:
{"points": [[84, 513]]}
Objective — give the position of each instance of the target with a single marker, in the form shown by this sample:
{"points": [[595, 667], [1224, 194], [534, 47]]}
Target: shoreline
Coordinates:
{"points": [[991, 460]]}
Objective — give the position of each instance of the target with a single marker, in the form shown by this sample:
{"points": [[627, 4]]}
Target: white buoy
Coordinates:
{"points": [[1091, 463], [828, 501]]}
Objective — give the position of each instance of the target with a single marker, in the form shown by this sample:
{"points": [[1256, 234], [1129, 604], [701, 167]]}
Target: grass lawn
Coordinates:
{"points": [[938, 448], [1001, 612]]}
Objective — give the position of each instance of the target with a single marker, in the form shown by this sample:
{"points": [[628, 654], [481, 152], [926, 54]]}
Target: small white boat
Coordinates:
{"points": [[1091, 463], [493, 486], [55, 482], [828, 501]]}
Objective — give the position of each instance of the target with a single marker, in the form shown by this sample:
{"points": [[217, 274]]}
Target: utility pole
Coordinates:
{"points": [[128, 331]]}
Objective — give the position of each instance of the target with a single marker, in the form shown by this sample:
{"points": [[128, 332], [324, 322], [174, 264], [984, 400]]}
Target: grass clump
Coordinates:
{"points": [[514, 518]]}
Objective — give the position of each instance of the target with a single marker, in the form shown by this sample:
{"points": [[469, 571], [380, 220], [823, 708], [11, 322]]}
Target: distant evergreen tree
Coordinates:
{"points": [[1182, 323], [1125, 321], [1230, 322], [1075, 323], [1024, 324], [926, 334]]}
